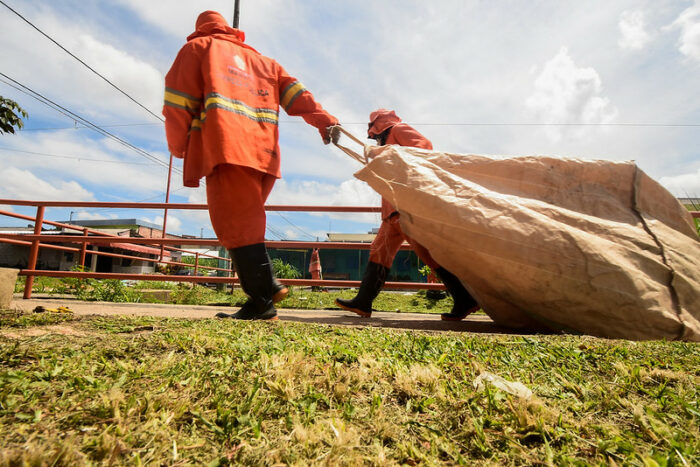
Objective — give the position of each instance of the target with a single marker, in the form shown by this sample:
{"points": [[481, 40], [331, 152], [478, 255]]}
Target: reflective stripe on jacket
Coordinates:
{"points": [[222, 102]]}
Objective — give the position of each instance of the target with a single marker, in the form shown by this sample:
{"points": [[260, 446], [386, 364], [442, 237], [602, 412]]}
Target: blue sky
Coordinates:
{"points": [[475, 77]]}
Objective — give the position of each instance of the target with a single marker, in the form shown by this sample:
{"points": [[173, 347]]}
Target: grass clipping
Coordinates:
{"points": [[164, 391]]}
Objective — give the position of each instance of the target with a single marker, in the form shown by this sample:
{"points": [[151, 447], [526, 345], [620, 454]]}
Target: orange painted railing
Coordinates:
{"points": [[160, 246]]}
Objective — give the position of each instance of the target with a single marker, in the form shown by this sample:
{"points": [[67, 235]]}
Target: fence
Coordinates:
{"points": [[162, 247]]}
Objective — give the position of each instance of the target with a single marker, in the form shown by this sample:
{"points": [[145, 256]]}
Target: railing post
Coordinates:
{"points": [[167, 200], [83, 250], [34, 251], [196, 263]]}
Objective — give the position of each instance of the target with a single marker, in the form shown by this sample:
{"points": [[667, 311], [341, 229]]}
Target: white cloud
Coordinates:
{"points": [[195, 220], [633, 30], [684, 185], [92, 216], [456, 62], [23, 184], [689, 24], [197, 195], [139, 79], [565, 93], [55, 74], [174, 224], [73, 155], [309, 192]]}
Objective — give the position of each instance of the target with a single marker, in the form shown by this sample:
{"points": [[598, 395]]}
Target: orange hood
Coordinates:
{"points": [[380, 120], [211, 22]]}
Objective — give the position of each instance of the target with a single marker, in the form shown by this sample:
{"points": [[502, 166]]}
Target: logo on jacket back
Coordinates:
{"points": [[239, 62]]}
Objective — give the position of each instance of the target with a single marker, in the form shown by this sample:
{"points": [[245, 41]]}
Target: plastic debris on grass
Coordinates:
{"points": [[515, 388]]}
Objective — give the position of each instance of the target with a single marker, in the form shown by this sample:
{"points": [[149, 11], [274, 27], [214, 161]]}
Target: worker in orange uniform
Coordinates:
{"points": [[315, 265], [222, 100], [386, 128], [316, 271]]}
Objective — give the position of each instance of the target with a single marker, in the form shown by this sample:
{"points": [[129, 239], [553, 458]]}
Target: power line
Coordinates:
{"points": [[139, 201], [295, 226], [82, 62], [72, 157], [496, 124], [274, 232], [84, 127], [59, 108], [622, 124], [670, 125]]}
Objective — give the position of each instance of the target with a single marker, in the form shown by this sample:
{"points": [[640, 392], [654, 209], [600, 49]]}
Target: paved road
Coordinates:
{"points": [[426, 322]]}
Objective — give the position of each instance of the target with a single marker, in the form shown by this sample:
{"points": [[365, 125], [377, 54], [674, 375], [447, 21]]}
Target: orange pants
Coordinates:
{"points": [[236, 198], [388, 241]]}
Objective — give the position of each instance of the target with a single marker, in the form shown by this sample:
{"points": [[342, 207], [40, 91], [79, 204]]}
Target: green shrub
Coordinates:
{"points": [[208, 262], [154, 285], [41, 284], [284, 270], [184, 294], [108, 290]]}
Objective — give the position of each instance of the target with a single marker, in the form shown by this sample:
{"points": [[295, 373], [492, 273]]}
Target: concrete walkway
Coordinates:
{"points": [[418, 321]]}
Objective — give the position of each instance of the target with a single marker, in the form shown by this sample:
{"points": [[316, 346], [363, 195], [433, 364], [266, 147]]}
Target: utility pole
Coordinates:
{"points": [[236, 13]]}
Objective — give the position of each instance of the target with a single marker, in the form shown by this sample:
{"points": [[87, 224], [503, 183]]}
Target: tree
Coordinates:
{"points": [[10, 115]]}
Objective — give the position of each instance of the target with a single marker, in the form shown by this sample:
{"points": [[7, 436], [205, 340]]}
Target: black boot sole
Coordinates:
{"points": [[248, 313], [460, 317], [363, 313], [223, 315]]}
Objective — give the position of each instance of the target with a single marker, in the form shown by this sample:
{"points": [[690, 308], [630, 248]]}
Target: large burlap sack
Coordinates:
{"points": [[593, 247]]}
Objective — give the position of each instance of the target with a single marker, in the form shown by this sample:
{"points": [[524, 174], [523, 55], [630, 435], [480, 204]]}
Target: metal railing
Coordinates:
{"points": [[160, 246]]}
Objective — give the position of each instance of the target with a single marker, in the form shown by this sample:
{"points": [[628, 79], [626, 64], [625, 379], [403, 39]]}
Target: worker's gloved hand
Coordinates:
{"points": [[335, 133], [331, 134]]}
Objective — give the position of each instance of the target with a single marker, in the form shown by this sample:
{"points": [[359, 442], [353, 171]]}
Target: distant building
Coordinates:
{"points": [[692, 203], [350, 264], [16, 256]]}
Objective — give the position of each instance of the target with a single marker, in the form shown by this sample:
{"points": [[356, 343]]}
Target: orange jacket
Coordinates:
{"points": [[400, 134], [222, 101], [315, 263]]}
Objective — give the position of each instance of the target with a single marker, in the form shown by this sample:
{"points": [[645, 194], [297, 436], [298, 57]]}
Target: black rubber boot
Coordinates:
{"points": [[255, 274], [280, 291], [464, 303], [372, 283]]}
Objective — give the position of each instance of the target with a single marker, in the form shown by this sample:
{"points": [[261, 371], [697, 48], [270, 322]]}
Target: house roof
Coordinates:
{"points": [[114, 222], [351, 237]]}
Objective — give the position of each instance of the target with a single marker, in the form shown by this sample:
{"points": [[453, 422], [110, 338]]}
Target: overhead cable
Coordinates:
{"points": [[81, 127], [621, 124], [59, 108], [78, 158], [295, 226], [82, 62]]}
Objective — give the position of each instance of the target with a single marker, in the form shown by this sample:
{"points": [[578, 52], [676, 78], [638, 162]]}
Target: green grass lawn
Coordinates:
{"points": [[187, 294], [96, 390]]}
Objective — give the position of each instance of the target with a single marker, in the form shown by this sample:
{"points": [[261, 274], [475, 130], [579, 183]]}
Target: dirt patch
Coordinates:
{"points": [[36, 331]]}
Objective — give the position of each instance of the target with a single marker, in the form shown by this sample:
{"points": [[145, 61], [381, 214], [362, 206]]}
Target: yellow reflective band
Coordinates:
{"points": [[177, 100], [196, 124], [262, 115], [289, 93]]}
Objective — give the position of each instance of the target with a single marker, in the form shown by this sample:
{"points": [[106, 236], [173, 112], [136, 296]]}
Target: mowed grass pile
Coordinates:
{"points": [[96, 390]]}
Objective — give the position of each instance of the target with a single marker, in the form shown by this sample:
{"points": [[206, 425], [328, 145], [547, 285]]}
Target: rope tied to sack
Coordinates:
{"points": [[359, 158]]}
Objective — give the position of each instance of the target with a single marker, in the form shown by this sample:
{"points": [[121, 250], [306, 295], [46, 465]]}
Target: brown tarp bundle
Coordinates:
{"points": [[594, 247]]}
